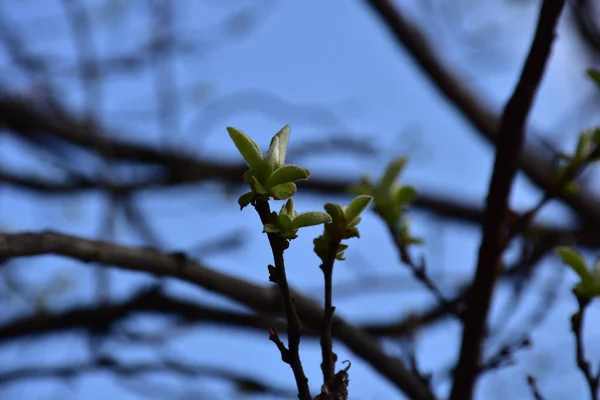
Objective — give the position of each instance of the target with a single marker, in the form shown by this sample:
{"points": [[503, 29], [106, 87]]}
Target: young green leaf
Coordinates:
{"points": [[247, 147], [576, 262], [286, 174], [245, 199], [392, 173], [285, 222], [283, 191], [278, 147], [311, 218], [336, 212], [288, 208], [260, 189], [354, 222], [356, 207], [340, 252], [248, 178]]}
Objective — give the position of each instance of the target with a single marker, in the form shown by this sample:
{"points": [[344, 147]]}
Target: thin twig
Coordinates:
{"points": [[418, 271], [329, 358], [531, 382], [176, 168], [510, 142], [592, 380], [277, 274], [465, 100], [177, 265]]}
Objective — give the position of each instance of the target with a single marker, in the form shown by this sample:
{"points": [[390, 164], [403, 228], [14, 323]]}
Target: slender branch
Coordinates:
{"points": [[329, 358], [141, 368], [511, 138], [180, 169], [592, 380], [277, 274], [538, 168], [531, 382], [418, 271], [178, 265]]}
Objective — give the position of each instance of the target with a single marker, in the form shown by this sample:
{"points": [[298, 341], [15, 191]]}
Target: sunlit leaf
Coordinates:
{"points": [[247, 147], [283, 191], [258, 187], [336, 212], [357, 206], [288, 208], [248, 180], [311, 218], [285, 222], [278, 147], [287, 173]]}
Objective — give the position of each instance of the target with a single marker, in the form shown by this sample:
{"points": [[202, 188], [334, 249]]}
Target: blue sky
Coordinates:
{"points": [[327, 69]]}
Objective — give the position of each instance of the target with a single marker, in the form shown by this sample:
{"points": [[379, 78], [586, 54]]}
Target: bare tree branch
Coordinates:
{"points": [[181, 169], [577, 320], [155, 302], [277, 275], [511, 137], [104, 363], [259, 298], [538, 168]]}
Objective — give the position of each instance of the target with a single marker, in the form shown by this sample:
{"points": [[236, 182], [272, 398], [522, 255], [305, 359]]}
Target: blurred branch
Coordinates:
{"points": [[29, 121], [33, 66], [87, 58], [585, 13], [577, 322], [535, 392], [539, 169], [103, 363], [511, 139], [144, 301], [162, 57], [177, 265], [152, 301]]}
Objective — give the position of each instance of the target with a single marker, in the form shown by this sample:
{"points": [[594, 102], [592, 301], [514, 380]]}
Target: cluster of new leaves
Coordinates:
{"points": [[343, 225], [288, 221], [391, 198], [268, 176]]}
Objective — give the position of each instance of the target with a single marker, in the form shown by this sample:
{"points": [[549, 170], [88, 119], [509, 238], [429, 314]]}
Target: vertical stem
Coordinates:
{"points": [[328, 365], [583, 365], [511, 137], [277, 274]]}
